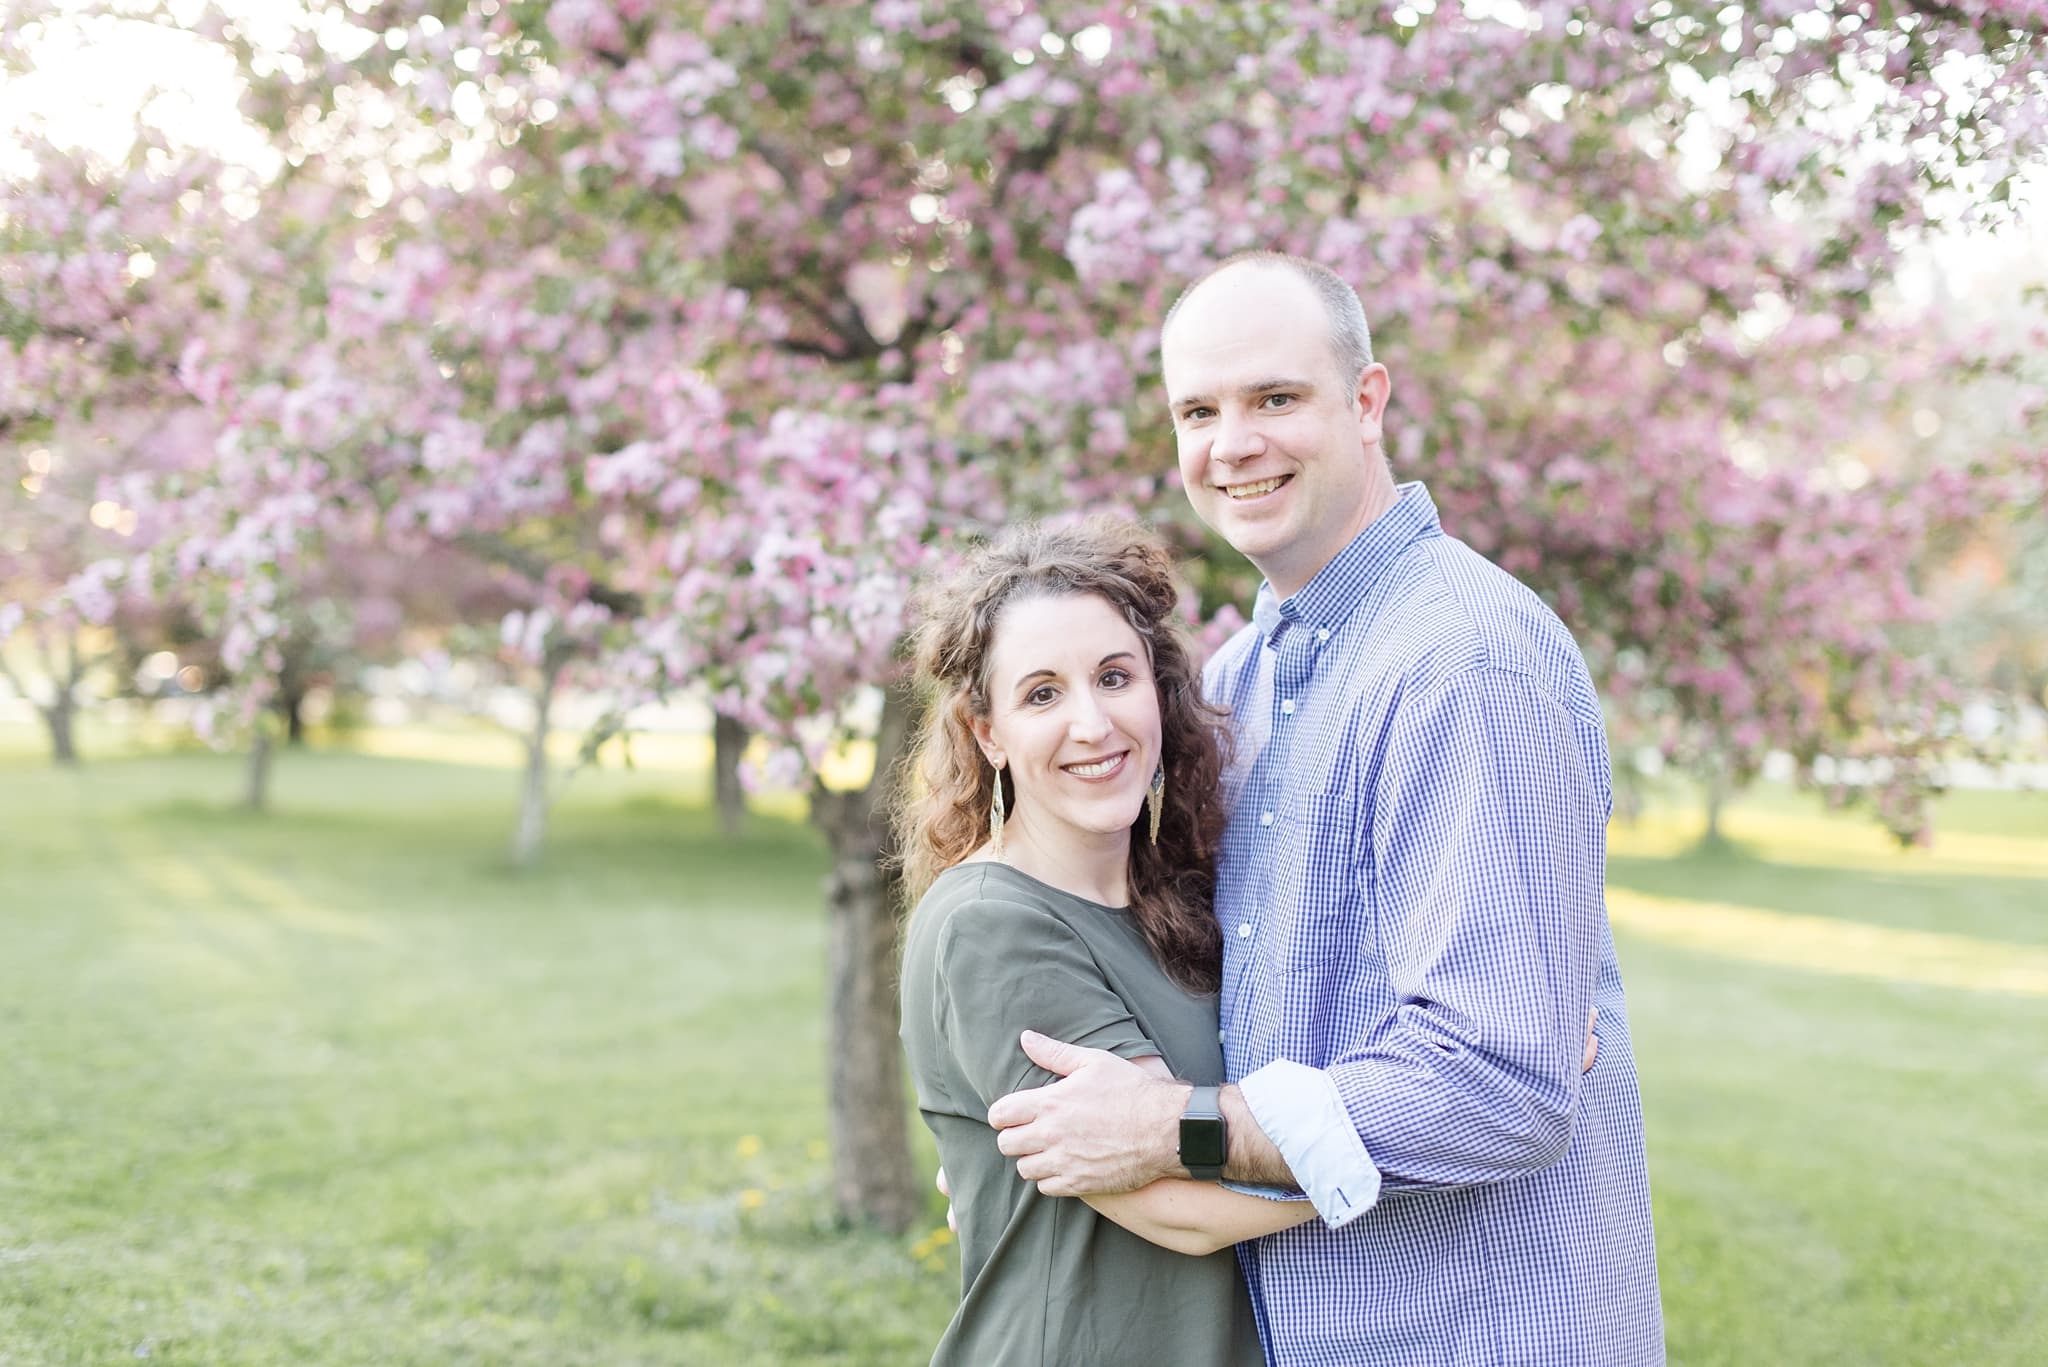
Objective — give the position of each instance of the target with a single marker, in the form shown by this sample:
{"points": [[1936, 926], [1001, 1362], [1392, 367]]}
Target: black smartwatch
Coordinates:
{"points": [[1204, 1147]]}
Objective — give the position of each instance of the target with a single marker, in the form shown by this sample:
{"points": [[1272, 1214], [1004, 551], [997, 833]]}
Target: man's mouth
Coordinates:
{"points": [[1256, 489], [1098, 768]]}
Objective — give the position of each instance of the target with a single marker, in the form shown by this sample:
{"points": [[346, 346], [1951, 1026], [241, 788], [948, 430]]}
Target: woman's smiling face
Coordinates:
{"points": [[1073, 711]]}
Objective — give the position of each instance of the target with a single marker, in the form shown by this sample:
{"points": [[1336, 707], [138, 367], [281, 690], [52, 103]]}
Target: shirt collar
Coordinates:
{"points": [[1326, 600]]}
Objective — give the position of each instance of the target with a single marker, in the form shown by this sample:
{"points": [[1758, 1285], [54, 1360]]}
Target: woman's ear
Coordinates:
{"points": [[984, 738]]}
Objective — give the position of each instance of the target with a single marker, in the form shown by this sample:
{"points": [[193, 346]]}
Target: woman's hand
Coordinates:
{"points": [[946, 1190]]}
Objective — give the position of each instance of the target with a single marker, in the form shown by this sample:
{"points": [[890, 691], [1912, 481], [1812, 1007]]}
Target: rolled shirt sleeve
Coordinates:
{"points": [[1300, 1109], [1487, 872]]}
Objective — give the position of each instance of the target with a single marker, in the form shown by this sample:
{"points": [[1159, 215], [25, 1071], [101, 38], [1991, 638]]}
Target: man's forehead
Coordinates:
{"points": [[1235, 347], [1248, 289]]}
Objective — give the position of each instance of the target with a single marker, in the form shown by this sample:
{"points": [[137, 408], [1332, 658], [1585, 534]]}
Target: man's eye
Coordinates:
{"points": [[1276, 400], [1196, 415]]}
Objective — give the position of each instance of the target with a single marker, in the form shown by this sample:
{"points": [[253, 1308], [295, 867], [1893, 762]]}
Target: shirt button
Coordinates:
{"points": [[1265, 818], [1244, 930], [1287, 706], [1219, 1037], [1321, 634]]}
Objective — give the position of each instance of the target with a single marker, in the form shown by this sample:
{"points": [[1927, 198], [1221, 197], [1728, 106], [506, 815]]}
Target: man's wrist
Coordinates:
{"points": [[1253, 1156], [1204, 1144]]}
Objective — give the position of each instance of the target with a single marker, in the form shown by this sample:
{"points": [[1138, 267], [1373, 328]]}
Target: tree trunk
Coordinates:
{"points": [[257, 796], [1628, 799], [728, 744], [533, 796], [60, 718], [291, 705], [1717, 797], [872, 1176]]}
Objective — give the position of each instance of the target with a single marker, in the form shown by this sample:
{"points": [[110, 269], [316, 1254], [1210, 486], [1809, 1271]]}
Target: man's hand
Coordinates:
{"points": [[1108, 1125]]}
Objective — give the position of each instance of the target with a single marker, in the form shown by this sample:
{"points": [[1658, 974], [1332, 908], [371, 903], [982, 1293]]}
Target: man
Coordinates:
{"points": [[1411, 892]]}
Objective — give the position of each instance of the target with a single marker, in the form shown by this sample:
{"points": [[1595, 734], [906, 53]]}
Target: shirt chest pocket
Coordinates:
{"points": [[1325, 863]]}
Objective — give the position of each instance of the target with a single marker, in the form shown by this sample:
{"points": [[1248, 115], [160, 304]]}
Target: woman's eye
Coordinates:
{"points": [[1115, 678], [1040, 696]]}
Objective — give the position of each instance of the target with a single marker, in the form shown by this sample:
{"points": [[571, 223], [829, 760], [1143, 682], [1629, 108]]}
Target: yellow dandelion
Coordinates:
{"points": [[816, 1148], [749, 1146], [751, 1199]]}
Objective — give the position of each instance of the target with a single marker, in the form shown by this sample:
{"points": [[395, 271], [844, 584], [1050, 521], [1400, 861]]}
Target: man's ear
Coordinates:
{"points": [[1375, 389]]}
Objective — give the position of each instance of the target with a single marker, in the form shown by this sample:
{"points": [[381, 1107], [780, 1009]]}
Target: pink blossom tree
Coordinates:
{"points": [[101, 274], [732, 317]]}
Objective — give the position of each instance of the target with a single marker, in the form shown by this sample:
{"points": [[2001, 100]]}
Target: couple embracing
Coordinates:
{"points": [[1297, 955]]}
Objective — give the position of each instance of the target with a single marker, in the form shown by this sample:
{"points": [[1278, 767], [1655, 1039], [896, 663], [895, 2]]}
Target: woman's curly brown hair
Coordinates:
{"points": [[942, 814]]}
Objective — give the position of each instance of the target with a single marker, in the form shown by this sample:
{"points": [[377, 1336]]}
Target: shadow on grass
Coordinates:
{"points": [[1991, 908]]}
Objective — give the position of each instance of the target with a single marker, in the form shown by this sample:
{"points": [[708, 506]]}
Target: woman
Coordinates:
{"points": [[1060, 831]]}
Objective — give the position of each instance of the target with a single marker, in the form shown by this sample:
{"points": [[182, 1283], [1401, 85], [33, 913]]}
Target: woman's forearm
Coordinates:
{"points": [[1198, 1217]]}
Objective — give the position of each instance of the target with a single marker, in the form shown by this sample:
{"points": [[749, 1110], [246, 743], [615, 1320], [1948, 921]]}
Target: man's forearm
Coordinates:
{"points": [[1254, 1159]]}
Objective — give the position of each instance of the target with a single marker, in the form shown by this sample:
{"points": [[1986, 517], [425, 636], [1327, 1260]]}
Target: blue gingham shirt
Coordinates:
{"points": [[1414, 927]]}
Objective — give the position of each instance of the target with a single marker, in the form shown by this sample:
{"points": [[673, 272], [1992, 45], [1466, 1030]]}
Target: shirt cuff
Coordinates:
{"points": [[1299, 1109], [1263, 1192]]}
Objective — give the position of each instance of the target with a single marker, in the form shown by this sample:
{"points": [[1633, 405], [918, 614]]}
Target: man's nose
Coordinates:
{"points": [[1237, 438]]}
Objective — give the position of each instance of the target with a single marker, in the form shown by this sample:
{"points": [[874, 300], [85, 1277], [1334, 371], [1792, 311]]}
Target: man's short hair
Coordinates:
{"points": [[1350, 338]]}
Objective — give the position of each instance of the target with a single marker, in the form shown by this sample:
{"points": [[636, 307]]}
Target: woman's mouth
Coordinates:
{"points": [[1098, 768]]}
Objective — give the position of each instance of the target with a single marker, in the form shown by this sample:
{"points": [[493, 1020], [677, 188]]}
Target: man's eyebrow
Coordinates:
{"points": [[1276, 383], [1271, 385]]}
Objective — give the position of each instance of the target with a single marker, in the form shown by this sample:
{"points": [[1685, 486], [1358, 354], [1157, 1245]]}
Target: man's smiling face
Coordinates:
{"points": [[1279, 451]]}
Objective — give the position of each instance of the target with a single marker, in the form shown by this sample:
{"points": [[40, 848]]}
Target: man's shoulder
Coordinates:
{"points": [[1458, 611]]}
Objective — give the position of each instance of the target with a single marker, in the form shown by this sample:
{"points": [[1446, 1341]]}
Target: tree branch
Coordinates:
{"points": [[1997, 28], [1032, 159], [14, 682], [533, 567]]}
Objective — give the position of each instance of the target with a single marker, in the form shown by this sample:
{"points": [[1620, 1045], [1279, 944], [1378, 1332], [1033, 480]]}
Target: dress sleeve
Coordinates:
{"points": [[1005, 967]]}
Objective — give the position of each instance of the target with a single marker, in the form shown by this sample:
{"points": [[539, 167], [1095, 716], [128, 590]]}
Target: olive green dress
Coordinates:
{"points": [[991, 952]]}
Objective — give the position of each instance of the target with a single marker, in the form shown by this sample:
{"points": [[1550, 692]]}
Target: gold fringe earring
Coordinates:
{"points": [[996, 813], [1155, 799]]}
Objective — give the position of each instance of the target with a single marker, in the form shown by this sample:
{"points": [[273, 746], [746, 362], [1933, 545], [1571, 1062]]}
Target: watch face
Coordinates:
{"points": [[1201, 1142]]}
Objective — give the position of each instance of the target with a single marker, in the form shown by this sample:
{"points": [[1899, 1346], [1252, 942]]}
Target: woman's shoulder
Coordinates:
{"points": [[998, 910], [985, 894]]}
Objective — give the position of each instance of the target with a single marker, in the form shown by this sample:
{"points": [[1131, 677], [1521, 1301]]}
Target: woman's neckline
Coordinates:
{"points": [[1015, 872]]}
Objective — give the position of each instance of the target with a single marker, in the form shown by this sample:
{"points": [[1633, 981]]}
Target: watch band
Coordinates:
{"points": [[1204, 1145]]}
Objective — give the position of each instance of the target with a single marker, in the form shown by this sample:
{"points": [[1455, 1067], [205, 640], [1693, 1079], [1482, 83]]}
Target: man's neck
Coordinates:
{"points": [[1289, 579]]}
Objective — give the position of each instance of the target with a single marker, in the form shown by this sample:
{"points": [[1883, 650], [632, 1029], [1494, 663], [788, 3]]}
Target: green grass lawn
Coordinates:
{"points": [[333, 1085]]}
